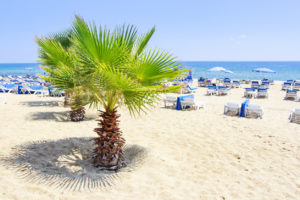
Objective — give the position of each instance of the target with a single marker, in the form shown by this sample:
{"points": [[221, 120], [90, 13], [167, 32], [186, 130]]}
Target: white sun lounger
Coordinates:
{"points": [[296, 86], [191, 103], [255, 84], [291, 94], [254, 110], [170, 101], [262, 92], [232, 109], [295, 115], [211, 90], [5, 89], [236, 84], [223, 90], [250, 92], [42, 91], [287, 86]]}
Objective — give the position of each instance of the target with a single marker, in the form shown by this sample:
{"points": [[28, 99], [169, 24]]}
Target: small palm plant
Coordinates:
{"points": [[60, 61], [121, 72]]}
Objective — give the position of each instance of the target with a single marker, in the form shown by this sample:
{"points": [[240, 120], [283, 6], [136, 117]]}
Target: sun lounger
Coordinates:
{"points": [[211, 90], [201, 82], [222, 90], [34, 90], [8, 88], [253, 110], [291, 94], [296, 86], [2, 89], [255, 84], [188, 89], [170, 101], [236, 84], [250, 92], [191, 103], [227, 82], [295, 115], [207, 83], [265, 84], [290, 81], [262, 92], [287, 86], [54, 92], [232, 109]]}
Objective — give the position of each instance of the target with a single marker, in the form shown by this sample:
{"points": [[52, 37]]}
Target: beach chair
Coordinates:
{"points": [[296, 86], [211, 90], [262, 92], [8, 88], [255, 84], [250, 92], [191, 103], [265, 84], [40, 90], [295, 115], [236, 84], [222, 90], [170, 101], [291, 81], [291, 94], [232, 109], [227, 82], [201, 82], [287, 86], [2, 89], [253, 110], [188, 89], [208, 82], [54, 92]]}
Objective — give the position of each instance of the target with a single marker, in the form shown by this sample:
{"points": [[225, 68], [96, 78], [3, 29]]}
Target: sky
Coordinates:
{"points": [[192, 30]]}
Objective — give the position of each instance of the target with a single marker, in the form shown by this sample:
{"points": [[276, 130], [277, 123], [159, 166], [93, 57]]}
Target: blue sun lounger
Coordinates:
{"points": [[262, 92], [287, 86], [291, 94]]}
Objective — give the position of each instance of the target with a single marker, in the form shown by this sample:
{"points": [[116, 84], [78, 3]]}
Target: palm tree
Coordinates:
{"points": [[60, 61], [121, 72]]}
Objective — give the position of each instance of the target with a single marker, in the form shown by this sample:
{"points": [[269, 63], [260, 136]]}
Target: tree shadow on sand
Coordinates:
{"points": [[55, 116], [41, 103], [67, 164]]}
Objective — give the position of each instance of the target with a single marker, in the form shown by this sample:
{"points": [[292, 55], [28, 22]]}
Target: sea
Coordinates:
{"points": [[241, 70]]}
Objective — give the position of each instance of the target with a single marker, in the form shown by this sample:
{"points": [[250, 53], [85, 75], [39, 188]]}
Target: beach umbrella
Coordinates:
{"points": [[220, 69], [264, 70]]}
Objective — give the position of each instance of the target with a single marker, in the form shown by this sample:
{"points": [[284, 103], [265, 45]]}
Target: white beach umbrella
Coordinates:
{"points": [[220, 69], [264, 70]]}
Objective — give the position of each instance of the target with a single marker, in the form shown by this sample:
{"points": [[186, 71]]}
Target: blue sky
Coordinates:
{"points": [[192, 30]]}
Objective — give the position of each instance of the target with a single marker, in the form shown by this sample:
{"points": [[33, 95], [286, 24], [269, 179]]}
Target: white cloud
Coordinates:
{"points": [[238, 39], [242, 36]]}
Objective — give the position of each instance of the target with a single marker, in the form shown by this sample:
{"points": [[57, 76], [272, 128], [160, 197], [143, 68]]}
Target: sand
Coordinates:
{"points": [[198, 154]]}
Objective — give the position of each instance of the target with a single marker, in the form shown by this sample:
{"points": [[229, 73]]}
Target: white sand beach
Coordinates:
{"points": [[198, 154]]}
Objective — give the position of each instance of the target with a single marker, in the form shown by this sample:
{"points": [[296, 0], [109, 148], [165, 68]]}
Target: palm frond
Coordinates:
{"points": [[142, 42]]}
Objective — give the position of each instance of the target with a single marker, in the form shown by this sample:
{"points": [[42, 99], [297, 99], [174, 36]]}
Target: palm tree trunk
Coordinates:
{"points": [[77, 115], [108, 154], [67, 101]]}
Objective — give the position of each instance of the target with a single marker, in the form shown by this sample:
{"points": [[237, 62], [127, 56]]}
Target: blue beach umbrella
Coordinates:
{"points": [[264, 70]]}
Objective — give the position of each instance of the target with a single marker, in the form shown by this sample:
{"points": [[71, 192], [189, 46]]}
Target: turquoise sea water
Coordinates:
{"points": [[20, 69], [242, 70]]}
